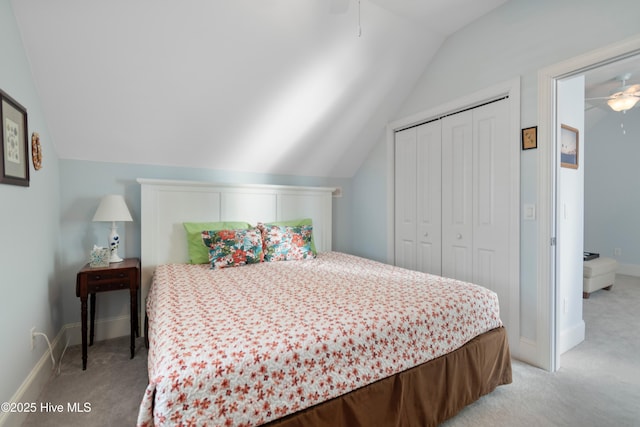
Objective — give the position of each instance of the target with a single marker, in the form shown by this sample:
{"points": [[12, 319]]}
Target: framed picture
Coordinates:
{"points": [[569, 147], [530, 138], [14, 167]]}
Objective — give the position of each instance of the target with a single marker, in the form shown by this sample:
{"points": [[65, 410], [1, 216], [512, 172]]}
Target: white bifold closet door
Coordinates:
{"points": [[452, 197], [457, 196], [491, 200], [406, 191], [418, 231]]}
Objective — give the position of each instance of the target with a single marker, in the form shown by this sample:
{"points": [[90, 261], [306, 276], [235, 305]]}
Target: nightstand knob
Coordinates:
{"points": [[98, 277]]}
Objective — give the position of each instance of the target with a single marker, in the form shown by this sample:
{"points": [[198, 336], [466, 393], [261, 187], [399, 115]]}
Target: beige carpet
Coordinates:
{"points": [[597, 385], [113, 386]]}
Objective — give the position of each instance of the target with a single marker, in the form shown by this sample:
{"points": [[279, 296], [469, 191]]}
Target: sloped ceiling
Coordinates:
{"points": [[269, 86]]}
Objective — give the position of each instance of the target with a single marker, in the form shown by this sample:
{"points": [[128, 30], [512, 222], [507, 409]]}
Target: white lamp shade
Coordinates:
{"points": [[112, 208]]}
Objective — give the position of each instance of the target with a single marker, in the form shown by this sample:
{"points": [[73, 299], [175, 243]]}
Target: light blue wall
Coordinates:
{"points": [[570, 221], [517, 39], [83, 183], [29, 228], [370, 206], [612, 182]]}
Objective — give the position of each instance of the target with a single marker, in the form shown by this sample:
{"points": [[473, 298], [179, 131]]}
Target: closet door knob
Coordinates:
{"points": [[426, 234], [459, 236]]}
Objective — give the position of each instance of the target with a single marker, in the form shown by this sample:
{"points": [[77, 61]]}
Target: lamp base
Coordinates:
{"points": [[115, 257], [114, 242]]}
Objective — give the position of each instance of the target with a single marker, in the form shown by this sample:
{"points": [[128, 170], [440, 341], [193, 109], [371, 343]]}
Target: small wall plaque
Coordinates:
{"points": [[530, 138]]}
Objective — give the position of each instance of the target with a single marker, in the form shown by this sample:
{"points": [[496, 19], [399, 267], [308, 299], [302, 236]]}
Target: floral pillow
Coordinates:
{"points": [[233, 248], [284, 243], [199, 254]]}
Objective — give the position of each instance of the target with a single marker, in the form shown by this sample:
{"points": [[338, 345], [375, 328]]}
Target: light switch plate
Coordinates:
{"points": [[530, 212]]}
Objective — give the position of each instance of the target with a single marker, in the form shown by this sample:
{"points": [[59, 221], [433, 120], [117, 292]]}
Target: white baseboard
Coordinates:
{"points": [[527, 352], [571, 337], [69, 334], [31, 387], [629, 269]]}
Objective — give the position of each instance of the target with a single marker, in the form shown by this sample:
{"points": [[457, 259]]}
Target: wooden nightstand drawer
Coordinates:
{"points": [[107, 285], [101, 276]]}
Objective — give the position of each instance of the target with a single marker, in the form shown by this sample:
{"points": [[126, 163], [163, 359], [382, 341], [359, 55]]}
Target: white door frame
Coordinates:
{"points": [[510, 88], [547, 291]]}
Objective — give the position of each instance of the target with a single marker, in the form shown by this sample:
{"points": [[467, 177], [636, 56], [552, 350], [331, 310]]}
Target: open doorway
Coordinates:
{"points": [[603, 216], [549, 296], [590, 190], [613, 138]]}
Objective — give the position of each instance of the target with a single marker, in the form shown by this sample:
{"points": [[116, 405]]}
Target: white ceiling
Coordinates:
{"points": [[271, 86]]}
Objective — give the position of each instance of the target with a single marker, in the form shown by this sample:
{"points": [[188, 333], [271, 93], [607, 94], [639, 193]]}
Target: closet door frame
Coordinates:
{"points": [[520, 346]]}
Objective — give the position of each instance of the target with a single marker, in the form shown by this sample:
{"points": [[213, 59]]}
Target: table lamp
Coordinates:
{"points": [[112, 208]]}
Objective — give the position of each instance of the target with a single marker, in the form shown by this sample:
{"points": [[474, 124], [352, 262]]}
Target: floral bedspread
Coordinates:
{"points": [[245, 345]]}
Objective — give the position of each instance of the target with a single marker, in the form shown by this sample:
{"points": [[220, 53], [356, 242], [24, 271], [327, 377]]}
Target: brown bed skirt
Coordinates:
{"points": [[422, 396]]}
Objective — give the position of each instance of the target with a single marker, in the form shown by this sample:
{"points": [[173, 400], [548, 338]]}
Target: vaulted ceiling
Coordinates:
{"points": [[301, 87]]}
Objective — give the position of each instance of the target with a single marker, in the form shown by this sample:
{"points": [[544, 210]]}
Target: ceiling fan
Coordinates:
{"points": [[624, 97]]}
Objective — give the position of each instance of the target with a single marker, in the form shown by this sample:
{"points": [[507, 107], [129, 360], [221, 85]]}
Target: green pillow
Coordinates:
{"points": [[198, 252], [297, 223]]}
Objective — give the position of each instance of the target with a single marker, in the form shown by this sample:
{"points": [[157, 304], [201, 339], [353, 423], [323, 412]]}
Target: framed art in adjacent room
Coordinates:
{"points": [[14, 167], [569, 146]]}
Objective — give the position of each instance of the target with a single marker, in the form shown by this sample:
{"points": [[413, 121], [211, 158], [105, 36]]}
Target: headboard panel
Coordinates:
{"points": [[166, 204]]}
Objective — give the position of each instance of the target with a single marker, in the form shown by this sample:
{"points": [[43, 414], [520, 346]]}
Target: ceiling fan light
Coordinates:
{"points": [[631, 90], [623, 103]]}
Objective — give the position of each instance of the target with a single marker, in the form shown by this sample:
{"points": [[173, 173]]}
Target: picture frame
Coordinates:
{"points": [[99, 257], [569, 146], [530, 138], [14, 164]]}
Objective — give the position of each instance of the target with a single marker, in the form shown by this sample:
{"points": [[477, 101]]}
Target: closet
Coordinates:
{"points": [[452, 196]]}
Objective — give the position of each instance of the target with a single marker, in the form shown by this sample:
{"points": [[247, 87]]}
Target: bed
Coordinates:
{"points": [[335, 340]]}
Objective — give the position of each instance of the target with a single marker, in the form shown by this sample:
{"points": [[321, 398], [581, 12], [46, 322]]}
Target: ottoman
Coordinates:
{"points": [[598, 273]]}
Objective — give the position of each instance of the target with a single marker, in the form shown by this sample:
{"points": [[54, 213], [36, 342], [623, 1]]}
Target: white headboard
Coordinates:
{"points": [[166, 204]]}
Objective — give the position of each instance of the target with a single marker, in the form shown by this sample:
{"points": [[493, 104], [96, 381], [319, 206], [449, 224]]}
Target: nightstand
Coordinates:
{"points": [[118, 276]]}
